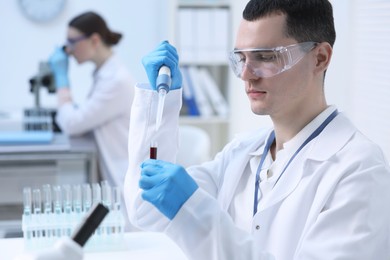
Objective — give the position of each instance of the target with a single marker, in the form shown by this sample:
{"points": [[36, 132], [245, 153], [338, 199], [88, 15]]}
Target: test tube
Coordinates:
{"points": [[96, 193], [87, 197], [77, 199], [106, 194], [57, 204], [107, 201], [37, 211], [153, 150], [117, 199], [67, 192], [47, 198], [67, 209], [37, 201], [96, 199], [47, 208], [27, 201], [26, 219], [117, 194], [57, 199]]}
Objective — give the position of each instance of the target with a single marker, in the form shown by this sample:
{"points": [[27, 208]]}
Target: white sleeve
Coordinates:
{"points": [[142, 132]]}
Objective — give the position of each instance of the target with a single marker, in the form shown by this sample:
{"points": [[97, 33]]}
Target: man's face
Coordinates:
{"points": [[287, 93]]}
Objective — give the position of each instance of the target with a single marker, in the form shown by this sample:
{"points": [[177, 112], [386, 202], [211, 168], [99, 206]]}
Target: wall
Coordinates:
{"points": [[242, 118], [24, 43]]}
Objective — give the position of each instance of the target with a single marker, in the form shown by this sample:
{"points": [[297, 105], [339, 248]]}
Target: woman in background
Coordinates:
{"points": [[106, 111]]}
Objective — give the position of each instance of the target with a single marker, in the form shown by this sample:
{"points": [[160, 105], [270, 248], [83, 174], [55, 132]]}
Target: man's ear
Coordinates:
{"points": [[323, 54]]}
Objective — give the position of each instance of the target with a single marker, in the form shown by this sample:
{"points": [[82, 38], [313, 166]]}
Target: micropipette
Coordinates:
{"points": [[163, 83]]}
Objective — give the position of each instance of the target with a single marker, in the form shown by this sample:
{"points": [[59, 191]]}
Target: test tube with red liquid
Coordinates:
{"points": [[153, 150]]}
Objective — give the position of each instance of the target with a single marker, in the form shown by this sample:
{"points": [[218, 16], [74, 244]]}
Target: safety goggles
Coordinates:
{"points": [[266, 63], [71, 42]]}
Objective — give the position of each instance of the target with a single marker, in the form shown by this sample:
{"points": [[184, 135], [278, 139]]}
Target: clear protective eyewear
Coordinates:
{"points": [[266, 63], [70, 42]]}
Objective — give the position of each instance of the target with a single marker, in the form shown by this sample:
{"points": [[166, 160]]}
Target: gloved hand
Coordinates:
{"points": [[167, 186], [164, 54], [58, 62]]}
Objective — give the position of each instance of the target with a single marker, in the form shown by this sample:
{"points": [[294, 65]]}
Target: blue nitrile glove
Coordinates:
{"points": [[167, 186], [164, 54], [58, 62]]}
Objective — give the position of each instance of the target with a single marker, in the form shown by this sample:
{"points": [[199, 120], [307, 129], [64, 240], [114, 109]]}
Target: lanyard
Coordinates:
{"points": [[268, 146]]}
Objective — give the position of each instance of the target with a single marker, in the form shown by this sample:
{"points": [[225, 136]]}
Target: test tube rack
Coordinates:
{"points": [[56, 211]]}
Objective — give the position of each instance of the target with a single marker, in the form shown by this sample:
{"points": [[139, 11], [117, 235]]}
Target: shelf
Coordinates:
{"points": [[201, 31], [203, 4], [203, 120]]}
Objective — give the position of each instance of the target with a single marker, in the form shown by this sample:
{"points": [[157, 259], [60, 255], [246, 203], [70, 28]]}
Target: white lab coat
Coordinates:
{"points": [[106, 113], [331, 203]]}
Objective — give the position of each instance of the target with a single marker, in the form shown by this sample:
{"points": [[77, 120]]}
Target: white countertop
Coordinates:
{"points": [[139, 245]]}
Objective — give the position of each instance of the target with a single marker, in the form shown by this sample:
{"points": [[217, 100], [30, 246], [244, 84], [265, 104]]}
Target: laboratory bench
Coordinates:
{"points": [[137, 245], [63, 161]]}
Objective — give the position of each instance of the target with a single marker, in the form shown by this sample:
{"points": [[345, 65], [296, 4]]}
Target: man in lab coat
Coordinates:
{"points": [[312, 187]]}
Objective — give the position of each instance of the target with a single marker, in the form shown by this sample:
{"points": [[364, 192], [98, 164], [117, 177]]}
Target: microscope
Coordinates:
{"points": [[44, 78], [38, 118]]}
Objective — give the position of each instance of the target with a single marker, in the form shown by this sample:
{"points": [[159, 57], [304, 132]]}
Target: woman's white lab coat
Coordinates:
{"points": [[106, 113], [331, 203]]}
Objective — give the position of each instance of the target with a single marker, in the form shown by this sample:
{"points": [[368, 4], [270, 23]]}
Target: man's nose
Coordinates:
{"points": [[248, 72]]}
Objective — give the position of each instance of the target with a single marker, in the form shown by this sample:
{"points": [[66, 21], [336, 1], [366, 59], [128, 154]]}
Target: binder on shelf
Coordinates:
{"points": [[186, 39], [220, 32], [188, 94], [213, 93], [201, 100], [203, 34]]}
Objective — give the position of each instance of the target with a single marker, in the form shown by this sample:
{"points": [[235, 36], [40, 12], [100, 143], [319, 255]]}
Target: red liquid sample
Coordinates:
{"points": [[153, 152]]}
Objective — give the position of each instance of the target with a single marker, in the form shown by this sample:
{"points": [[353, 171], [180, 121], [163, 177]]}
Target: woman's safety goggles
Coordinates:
{"points": [[267, 63], [71, 42]]}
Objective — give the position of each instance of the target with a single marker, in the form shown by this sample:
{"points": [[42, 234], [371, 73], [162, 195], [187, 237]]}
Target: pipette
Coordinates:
{"points": [[163, 84]]}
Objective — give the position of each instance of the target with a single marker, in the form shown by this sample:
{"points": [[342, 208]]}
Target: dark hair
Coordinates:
{"points": [[306, 20], [90, 22]]}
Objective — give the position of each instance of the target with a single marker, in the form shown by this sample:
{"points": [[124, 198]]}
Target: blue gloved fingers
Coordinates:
{"points": [[58, 62], [162, 202], [167, 186], [165, 45], [175, 70], [152, 165], [150, 178], [164, 54], [151, 174], [154, 61]]}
